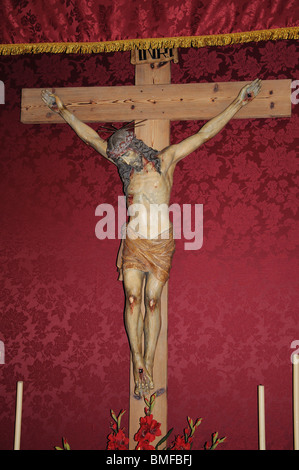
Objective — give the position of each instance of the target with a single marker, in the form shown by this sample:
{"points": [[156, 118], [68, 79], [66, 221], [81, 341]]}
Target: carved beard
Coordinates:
{"points": [[138, 164], [149, 154], [125, 170]]}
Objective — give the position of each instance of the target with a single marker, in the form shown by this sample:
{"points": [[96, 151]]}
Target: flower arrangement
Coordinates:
{"points": [[149, 430]]}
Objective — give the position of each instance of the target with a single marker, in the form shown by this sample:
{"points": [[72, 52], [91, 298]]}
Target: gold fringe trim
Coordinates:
{"points": [[151, 43]]}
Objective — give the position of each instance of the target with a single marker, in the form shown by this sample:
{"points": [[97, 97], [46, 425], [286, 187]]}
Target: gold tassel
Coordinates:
{"points": [[150, 43]]}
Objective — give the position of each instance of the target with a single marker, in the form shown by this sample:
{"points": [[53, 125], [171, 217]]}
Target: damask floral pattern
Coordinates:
{"points": [[113, 20], [233, 304]]}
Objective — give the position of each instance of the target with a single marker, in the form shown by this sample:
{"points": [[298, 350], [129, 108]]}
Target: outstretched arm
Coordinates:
{"points": [[86, 133], [212, 127]]}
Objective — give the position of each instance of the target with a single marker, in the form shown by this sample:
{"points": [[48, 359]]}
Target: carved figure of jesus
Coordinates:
{"points": [[148, 247]]}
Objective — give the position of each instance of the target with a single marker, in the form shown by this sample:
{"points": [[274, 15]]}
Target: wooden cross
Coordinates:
{"points": [[154, 98]]}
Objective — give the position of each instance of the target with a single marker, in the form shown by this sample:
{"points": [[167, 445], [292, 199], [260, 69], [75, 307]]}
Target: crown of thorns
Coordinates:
{"points": [[121, 147], [123, 139]]}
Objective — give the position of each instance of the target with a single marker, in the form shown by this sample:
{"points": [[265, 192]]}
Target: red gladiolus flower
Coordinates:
{"points": [[144, 445], [149, 429], [181, 444], [118, 441]]}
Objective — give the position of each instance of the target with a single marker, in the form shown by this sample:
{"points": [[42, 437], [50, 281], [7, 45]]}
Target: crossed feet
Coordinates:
{"points": [[143, 378]]}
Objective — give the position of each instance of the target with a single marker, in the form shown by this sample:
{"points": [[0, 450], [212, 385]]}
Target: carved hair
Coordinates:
{"points": [[119, 143]]}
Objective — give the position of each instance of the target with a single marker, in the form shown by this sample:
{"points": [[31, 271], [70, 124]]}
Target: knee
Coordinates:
{"points": [[133, 298], [152, 302]]}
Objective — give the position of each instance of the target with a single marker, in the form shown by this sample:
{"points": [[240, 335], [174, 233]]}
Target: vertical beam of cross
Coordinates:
{"points": [[156, 134]]}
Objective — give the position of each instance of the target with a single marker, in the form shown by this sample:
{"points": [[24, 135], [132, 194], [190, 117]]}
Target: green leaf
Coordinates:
{"points": [[216, 441], [190, 421], [66, 445], [164, 439], [113, 415], [146, 402], [122, 412], [197, 422], [153, 397], [222, 439]]}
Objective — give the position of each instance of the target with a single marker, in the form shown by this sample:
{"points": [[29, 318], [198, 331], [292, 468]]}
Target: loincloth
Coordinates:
{"points": [[152, 255]]}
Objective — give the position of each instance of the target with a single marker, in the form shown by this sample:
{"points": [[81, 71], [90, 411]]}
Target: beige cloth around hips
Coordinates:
{"points": [[152, 255]]}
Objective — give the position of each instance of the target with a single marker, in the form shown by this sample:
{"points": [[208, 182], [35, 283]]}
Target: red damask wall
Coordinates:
{"points": [[233, 304]]}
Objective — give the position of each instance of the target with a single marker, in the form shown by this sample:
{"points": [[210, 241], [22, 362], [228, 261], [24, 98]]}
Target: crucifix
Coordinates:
{"points": [[147, 176]]}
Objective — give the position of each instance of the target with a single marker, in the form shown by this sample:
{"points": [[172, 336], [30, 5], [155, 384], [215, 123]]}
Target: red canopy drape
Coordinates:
{"points": [[106, 25]]}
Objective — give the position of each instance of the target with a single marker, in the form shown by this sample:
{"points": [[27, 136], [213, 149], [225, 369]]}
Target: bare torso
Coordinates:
{"points": [[148, 200]]}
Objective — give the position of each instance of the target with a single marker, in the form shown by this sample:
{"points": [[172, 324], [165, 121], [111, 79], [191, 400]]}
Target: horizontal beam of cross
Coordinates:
{"points": [[193, 101]]}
